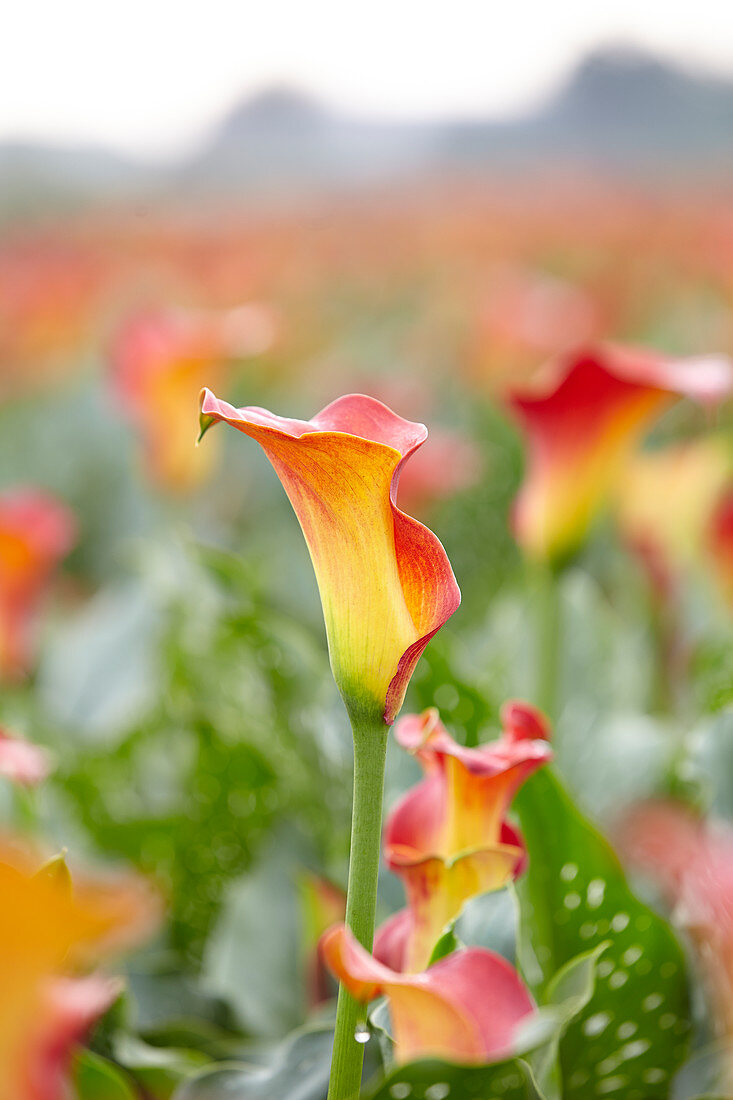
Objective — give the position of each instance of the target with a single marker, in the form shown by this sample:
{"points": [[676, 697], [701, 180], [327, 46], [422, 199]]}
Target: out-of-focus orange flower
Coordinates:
{"points": [[582, 421], [51, 932], [51, 294], [693, 863], [448, 838], [466, 1008], [160, 361], [385, 581], [322, 904], [664, 503], [720, 541], [21, 761], [36, 531]]}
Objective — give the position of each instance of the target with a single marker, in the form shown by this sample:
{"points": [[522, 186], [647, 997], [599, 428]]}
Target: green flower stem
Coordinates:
{"points": [[370, 748], [549, 642]]}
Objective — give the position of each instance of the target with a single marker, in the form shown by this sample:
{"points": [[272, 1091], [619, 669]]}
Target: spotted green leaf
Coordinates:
{"points": [[633, 1034]]}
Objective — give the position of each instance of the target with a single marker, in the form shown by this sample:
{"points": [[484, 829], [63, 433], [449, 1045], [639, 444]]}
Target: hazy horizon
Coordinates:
{"points": [[148, 81]]}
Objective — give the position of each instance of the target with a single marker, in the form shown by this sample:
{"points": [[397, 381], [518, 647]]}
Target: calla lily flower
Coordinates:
{"points": [[582, 422], [36, 531], [21, 761], [448, 838], [721, 543], [161, 359], [322, 904], [692, 861], [385, 581], [665, 501], [466, 1008], [51, 930]]}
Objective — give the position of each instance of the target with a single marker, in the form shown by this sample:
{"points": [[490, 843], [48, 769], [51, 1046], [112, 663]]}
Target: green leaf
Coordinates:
{"points": [[706, 1075], [634, 1031], [435, 1080], [567, 992], [446, 945], [253, 959], [523, 1077], [97, 1079], [298, 1067], [158, 1070]]}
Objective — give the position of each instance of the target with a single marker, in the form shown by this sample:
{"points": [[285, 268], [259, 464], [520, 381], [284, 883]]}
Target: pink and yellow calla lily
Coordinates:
{"points": [[448, 838], [582, 421], [51, 932], [36, 531], [385, 581], [466, 1008]]}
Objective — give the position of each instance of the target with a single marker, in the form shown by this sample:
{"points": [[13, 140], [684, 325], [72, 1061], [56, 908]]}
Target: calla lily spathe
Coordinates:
{"points": [[385, 581], [582, 421], [160, 359], [448, 838], [665, 504], [51, 932], [720, 544], [36, 532], [466, 1008]]}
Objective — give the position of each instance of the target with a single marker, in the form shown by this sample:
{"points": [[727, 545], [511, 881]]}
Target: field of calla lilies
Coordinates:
{"points": [[386, 750]]}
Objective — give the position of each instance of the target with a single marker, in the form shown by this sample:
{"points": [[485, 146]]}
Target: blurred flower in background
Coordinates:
{"points": [[36, 532], [21, 761], [161, 360], [582, 419], [52, 934]]}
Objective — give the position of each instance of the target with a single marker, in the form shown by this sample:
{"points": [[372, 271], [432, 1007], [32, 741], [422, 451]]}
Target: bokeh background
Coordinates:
{"points": [[287, 204]]}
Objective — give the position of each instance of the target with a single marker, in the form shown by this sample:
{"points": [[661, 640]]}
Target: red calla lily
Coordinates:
{"points": [[582, 421]]}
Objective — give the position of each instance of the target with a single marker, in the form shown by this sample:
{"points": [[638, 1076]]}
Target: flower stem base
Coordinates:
{"points": [[370, 748]]}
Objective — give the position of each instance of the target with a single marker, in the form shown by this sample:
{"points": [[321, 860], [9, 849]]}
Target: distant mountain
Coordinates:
{"points": [[281, 138], [32, 174], [620, 109]]}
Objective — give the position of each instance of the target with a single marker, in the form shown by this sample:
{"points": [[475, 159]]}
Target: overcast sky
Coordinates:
{"points": [[150, 75]]}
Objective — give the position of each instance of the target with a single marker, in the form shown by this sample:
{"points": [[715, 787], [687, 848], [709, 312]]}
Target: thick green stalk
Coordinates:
{"points": [[370, 747]]}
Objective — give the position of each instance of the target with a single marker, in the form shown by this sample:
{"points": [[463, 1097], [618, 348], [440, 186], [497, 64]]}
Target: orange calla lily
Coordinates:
{"points": [[49, 930], [466, 1008], [448, 838], [36, 531], [582, 421], [385, 581], [161, 359]]}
